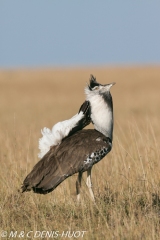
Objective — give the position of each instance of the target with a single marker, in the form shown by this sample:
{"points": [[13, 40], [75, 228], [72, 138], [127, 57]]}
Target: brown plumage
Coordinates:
{"points": [[61, 162]]}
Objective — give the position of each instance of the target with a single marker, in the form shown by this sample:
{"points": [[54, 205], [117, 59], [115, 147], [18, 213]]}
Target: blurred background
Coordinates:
{"points": [[79, 33], [48, 49]]}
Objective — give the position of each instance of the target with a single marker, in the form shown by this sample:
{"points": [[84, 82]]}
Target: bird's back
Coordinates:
{"points": [[76, 153]]}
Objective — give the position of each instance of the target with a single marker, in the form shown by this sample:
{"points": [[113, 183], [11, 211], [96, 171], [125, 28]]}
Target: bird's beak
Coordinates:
{"points": [[109, 85]]}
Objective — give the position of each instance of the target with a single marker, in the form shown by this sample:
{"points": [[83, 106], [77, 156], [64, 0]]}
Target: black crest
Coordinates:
{"points": [[93, 82]]}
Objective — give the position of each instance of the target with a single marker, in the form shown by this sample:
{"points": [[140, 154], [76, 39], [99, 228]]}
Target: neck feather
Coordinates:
{"points": [[101, 112]]}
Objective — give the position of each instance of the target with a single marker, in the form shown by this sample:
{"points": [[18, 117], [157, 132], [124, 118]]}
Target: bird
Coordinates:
{"points": [[80, 150]]}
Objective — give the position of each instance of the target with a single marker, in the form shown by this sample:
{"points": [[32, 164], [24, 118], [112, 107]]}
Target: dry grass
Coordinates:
{"points": [[126, 182]]}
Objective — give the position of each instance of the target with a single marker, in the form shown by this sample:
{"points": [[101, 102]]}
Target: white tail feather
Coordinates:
{"points": [[59, 131]]}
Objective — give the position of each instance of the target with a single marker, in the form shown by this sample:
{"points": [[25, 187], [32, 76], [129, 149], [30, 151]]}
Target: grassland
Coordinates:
{"points": [[126, 182]]}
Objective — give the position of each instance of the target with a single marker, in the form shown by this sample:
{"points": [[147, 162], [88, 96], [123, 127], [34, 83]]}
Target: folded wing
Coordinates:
{"points": [[76, 153]]}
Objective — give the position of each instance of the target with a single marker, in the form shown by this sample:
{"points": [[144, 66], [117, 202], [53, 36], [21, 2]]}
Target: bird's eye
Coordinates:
{"points": [[95, 88]]}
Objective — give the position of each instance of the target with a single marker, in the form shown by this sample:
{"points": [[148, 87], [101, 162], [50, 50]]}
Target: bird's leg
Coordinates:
{"points": [[89, 184], [78, 185]]}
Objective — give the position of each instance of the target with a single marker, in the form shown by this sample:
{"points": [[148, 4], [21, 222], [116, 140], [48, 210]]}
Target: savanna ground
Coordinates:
{"points": [[126, 182]]}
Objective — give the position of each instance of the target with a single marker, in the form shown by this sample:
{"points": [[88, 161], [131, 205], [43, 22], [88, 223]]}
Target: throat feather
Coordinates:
{"points": [[101, 115]]}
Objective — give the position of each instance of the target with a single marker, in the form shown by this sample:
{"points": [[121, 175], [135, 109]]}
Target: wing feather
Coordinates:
{"points": [[64, 160]]}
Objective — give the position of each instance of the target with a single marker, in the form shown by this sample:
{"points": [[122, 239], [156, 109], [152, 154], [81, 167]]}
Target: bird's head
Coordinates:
{"points": [[98, 88]]}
